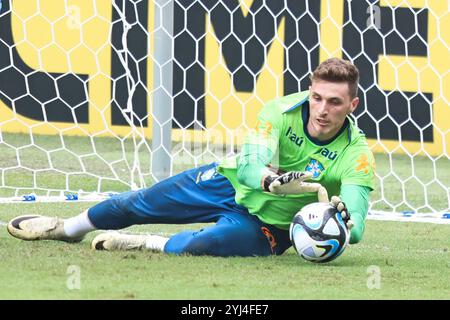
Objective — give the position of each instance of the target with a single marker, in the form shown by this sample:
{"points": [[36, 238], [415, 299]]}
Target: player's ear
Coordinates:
{"points": [[354, 103]]}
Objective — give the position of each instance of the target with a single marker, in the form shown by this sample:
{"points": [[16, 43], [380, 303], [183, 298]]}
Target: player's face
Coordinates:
{"points": [[330, 103]]}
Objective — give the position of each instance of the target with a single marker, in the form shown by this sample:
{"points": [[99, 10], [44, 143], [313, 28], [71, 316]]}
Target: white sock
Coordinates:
{"points": [[78, 226], [155, 242]]}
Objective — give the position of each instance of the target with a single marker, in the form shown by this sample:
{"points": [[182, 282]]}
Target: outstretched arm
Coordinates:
{"points": [[259, 151], [255, 172], [260, 147], [356, 199], [253, 165]]}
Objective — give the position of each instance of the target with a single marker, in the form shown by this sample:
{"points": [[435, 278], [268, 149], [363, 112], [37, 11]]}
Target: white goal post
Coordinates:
{"points": [[102, 96]]}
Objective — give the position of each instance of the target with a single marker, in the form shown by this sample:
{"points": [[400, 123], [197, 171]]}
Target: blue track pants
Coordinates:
{"points": [[199, 195]]}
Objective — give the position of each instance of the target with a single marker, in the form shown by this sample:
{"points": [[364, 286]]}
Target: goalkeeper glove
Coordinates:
{"points": [[293, 183], [337, 203]]}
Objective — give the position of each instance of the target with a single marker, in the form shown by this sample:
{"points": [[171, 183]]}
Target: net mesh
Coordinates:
{"points": [[89, 101]]}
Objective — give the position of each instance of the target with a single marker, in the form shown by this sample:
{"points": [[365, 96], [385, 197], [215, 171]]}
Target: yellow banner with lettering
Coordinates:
{"points": [[236, 73]]}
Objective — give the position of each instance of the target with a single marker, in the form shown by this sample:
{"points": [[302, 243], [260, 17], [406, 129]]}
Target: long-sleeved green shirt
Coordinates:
{"points": [[344, 165]]}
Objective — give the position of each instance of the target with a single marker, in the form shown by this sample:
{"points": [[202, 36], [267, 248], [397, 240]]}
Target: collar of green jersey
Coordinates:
{"points": [[304, 102]]}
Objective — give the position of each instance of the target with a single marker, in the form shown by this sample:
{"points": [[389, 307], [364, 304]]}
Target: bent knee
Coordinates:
{"points": [[188, 243]]}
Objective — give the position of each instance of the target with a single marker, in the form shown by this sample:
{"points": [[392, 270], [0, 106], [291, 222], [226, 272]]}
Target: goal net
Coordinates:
{"points": [[103, 96]]}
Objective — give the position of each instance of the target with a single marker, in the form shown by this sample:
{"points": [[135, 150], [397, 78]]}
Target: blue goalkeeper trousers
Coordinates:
{"points": [[199, 195]]}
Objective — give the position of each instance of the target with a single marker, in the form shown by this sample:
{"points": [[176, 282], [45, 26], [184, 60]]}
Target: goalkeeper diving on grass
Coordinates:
{"points": [[305, 148]]}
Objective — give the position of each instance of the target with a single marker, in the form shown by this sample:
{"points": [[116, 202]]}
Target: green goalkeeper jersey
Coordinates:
{"points": [[281, 141]]}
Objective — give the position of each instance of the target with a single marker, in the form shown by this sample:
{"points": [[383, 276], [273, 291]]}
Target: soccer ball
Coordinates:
{"points": [[318, 232]]}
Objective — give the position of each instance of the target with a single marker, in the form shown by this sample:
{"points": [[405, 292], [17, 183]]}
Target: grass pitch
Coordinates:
{"points": [[394, 261]]}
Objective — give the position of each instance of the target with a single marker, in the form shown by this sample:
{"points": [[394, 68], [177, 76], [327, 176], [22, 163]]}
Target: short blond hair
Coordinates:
{"points": [[338, 70]]}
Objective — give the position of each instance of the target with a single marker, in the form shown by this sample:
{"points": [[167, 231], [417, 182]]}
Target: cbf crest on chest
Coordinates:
{"points": [[315, 167]]}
